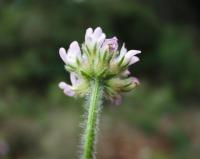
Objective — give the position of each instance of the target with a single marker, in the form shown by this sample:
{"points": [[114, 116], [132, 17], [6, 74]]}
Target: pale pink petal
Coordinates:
{"points": [[89, 32], [62, 85], [66, 88], [74, 46], [88, 35], [131, 53], [123, 50], [74, 52], [97, 33], [104, 48], [133, 60], [101, 40], [73, 78], [135, 80], [63, 54], [69, 92]]}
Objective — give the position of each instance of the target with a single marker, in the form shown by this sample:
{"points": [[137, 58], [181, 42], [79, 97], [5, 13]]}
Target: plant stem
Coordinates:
{"points": [[92, 119]]}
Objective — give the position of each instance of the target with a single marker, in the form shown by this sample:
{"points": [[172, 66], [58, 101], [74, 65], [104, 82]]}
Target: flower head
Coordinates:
{"points": [[99, 58]]}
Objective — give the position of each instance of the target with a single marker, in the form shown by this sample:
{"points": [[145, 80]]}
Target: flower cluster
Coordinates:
{"points": [[99, 59]]}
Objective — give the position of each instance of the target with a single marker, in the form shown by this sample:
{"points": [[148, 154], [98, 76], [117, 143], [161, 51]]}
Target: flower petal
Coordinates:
{"points": [[112, 44], [73, 78], [135, 80], [63, 54], [88, 35], [133, 60], [74, 48], [67, 89], [123, 50], [97, 33], [69, 92], [131, 53], [73, 53], [101, 40], [62, 85]]}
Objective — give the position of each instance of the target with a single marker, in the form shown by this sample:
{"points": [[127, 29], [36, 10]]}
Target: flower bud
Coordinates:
{"points": [[112, 44]]}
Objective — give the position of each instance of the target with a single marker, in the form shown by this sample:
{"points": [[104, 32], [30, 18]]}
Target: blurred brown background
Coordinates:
{"points": [[159, 120]]}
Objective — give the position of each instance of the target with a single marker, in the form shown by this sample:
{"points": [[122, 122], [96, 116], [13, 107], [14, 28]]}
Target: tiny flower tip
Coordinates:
{"points": [[89, 30], [74, 44], [97, 32], [66, 89], [73, 78], [98, 29], [69, 92], [138, 51], [131, 54], [134, 52], [74, 51], [63, 54], [62, 85], [135, 81], [101, 39], [103, 36], [123, 50], [133, 60], [62, 50]]}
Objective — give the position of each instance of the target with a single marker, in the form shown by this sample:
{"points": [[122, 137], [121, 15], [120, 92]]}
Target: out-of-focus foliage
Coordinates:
{"points": [[160, 120]]}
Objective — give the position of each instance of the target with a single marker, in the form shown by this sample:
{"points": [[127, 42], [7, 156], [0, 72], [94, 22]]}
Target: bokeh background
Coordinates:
{"points": [[159, 120]]}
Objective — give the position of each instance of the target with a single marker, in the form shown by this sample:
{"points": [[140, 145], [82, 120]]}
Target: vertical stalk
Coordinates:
{"points": [[92, 120]]}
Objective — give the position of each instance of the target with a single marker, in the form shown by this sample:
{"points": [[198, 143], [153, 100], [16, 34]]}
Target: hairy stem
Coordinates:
{"points": [[92, 120]]}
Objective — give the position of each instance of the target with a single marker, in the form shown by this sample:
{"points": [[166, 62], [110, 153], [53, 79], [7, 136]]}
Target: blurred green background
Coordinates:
{"points": [[159, 120]]}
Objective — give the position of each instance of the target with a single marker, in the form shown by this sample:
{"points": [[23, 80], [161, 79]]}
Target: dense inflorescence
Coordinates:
{"points": [[99, 58]]}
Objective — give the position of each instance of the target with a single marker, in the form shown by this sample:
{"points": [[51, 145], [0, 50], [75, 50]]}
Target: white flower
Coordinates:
{"points": [[77, 87], [94, 37], [135, 80], [128, 57], [70, 89], [67, 89], [99, 58], [73, 53]]}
